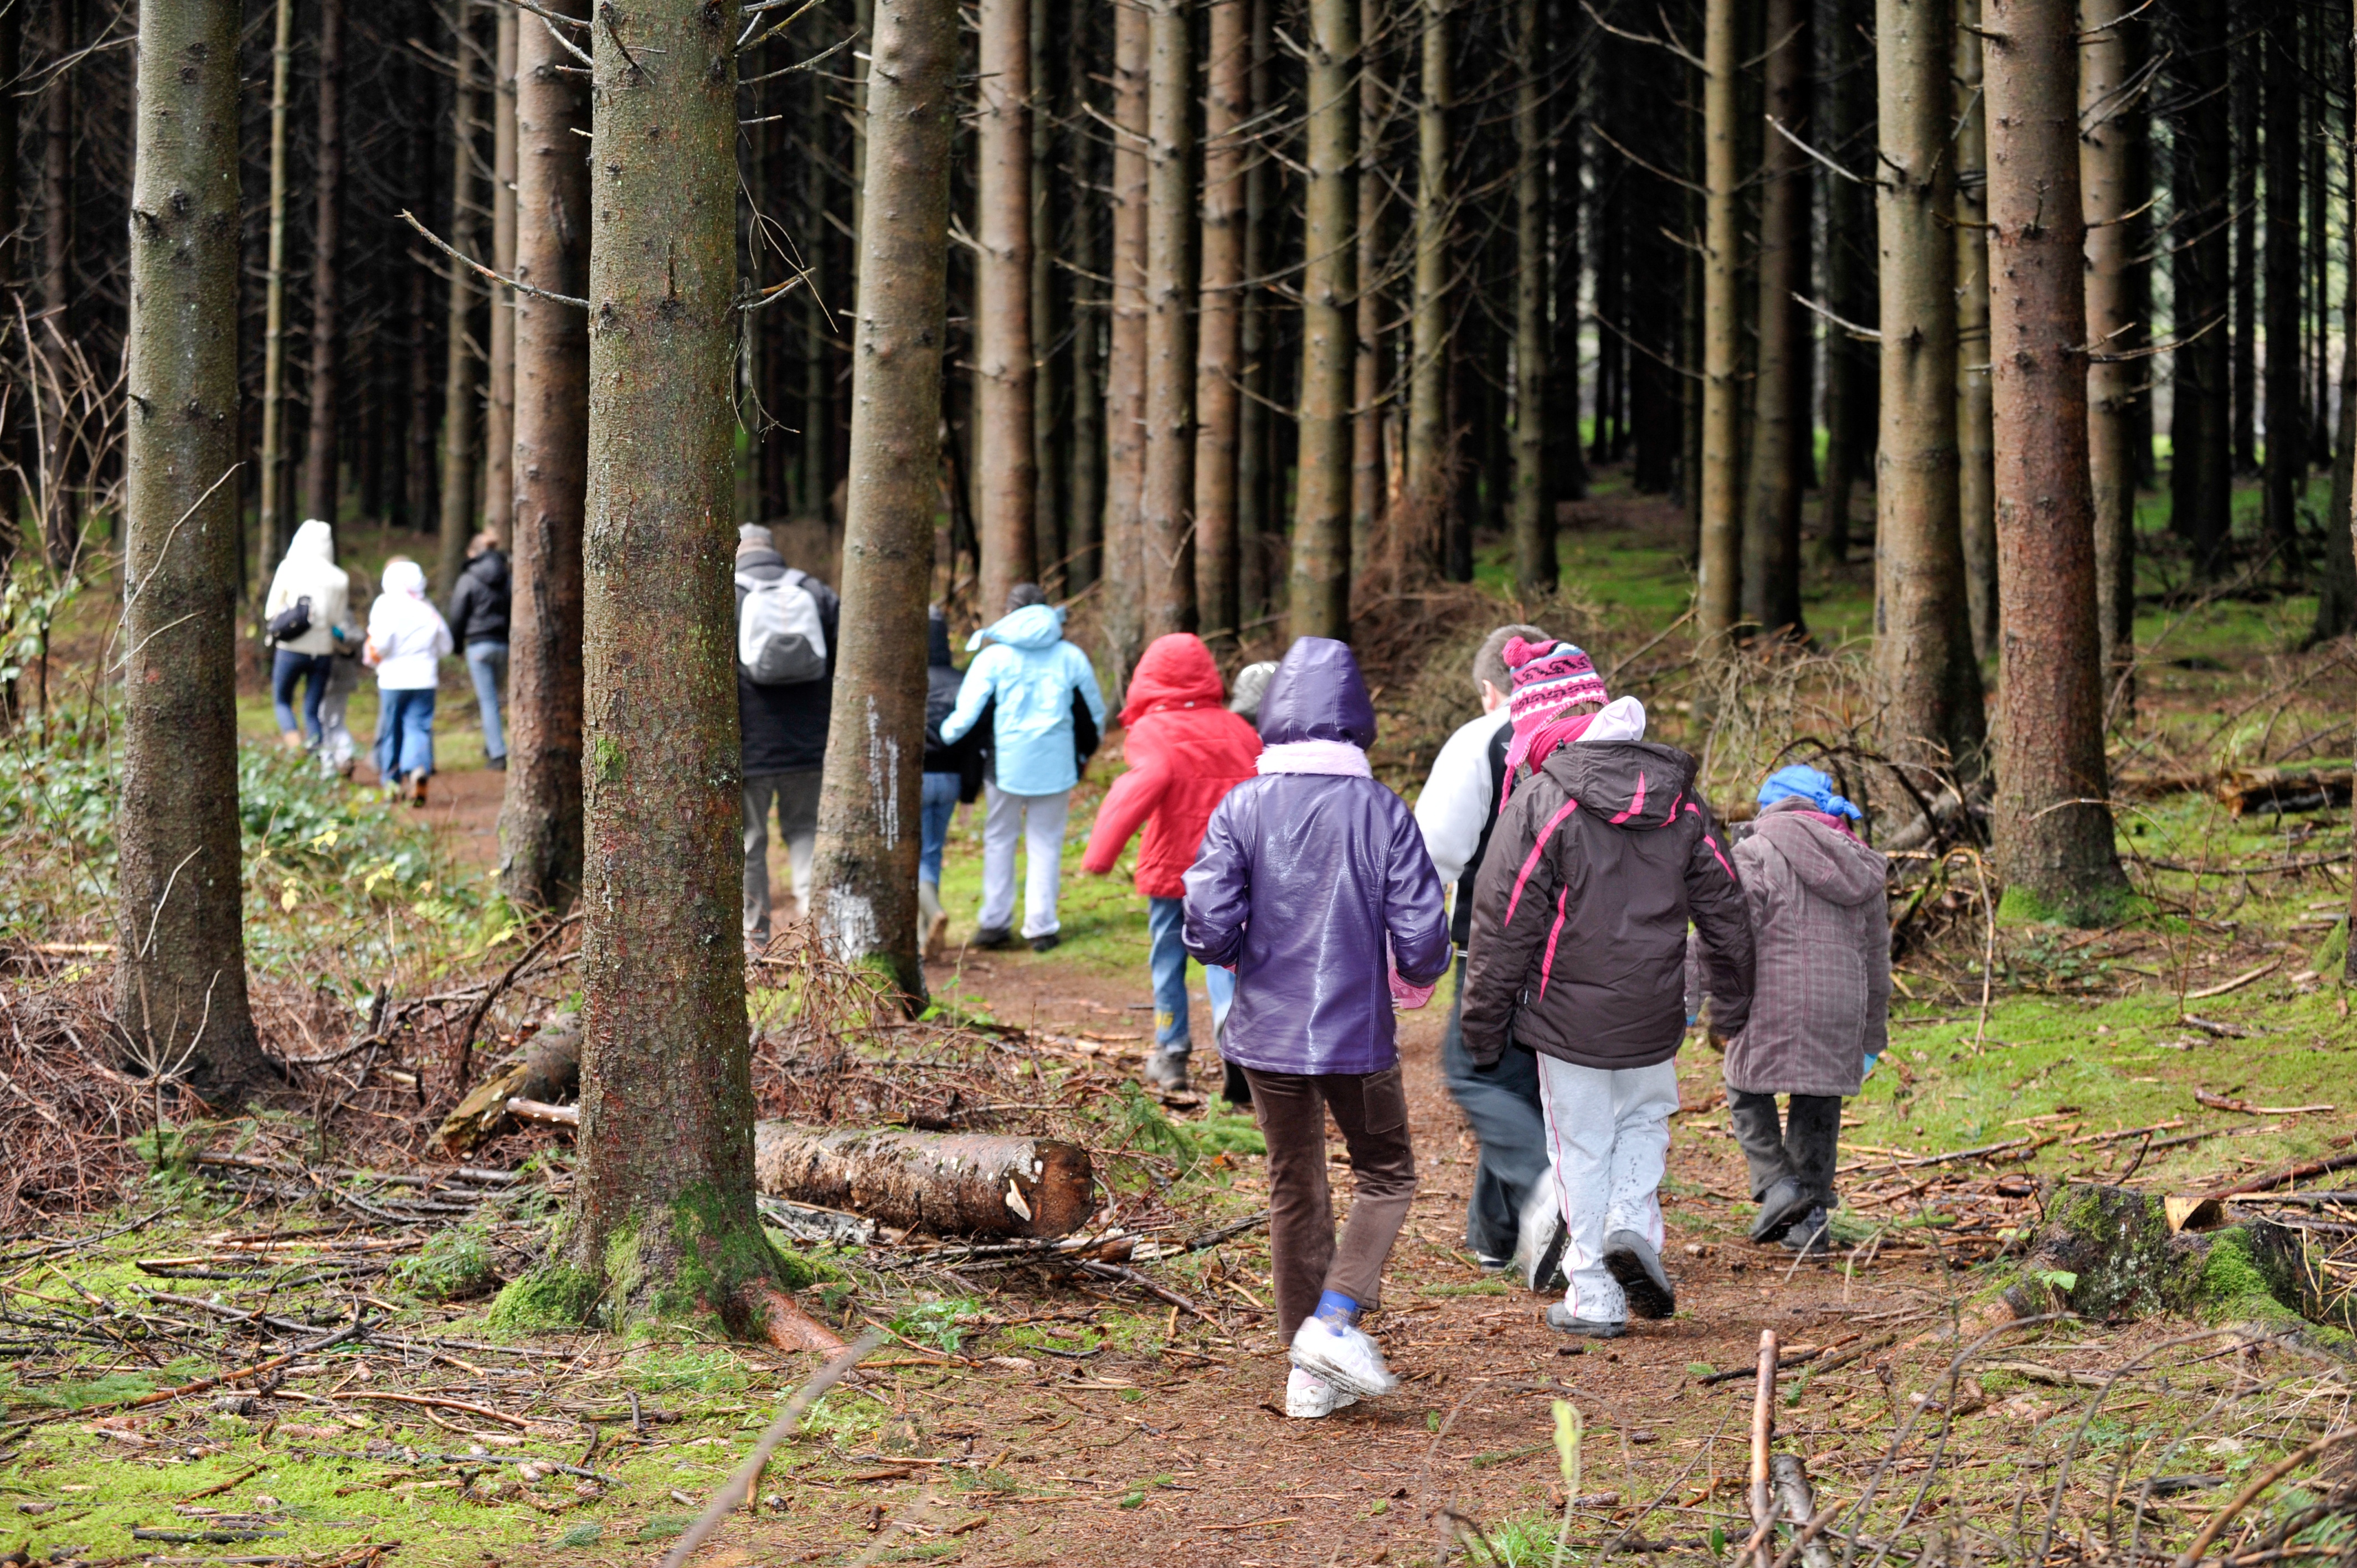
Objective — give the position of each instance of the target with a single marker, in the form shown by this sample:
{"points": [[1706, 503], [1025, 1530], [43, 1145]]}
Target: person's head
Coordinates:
{"points": [[754, 536], [1252, 685], [1552, 680], [1317, 693], [1023, 596], [403, 576], [484, 541], [1491, 679], [313, 541], [1803, 784]]}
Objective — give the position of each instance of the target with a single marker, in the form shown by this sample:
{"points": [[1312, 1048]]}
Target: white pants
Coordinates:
{"points": [[1606, 1134], [1038, 821]]}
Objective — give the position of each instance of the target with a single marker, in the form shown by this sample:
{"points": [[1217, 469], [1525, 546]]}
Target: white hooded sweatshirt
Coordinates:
{"points": [[406, 633], [309, 572]]}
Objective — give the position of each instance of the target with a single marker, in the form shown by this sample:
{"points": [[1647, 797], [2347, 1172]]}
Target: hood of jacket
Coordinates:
{"points": [[937, 642], [404, 578], [1829, 862], [1635, 784], [1174, 670], [489, 568], [315, 541], [1033, 626], [1317, 694]]}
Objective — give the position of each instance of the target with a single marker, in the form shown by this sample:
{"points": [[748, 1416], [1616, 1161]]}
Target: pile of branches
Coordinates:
{"points": [[67, 1117]]}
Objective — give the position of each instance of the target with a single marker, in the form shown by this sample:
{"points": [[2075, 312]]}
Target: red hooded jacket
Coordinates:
{"points": [[1186, 751]]}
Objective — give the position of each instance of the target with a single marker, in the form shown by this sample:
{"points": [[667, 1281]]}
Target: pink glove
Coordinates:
{"points": [[1410, 997]]}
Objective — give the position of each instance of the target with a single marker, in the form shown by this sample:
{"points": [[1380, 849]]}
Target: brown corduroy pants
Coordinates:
{"points": [[1371, 1110]]}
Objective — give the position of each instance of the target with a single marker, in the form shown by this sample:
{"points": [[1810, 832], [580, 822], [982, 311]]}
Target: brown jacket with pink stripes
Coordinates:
{"points": [[1596, 866]]}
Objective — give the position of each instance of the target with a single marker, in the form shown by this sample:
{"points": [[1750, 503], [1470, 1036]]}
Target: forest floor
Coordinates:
{"points": [[1012, 1417]]}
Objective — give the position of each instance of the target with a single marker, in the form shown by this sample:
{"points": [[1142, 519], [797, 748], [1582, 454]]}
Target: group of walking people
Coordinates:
{"points": [[1599, 907]]}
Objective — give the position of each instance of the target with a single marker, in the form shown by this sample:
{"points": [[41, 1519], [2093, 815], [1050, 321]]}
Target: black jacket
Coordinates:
{"points": [[479, 604], [1579, 920], [785, 727], [943, 680]]}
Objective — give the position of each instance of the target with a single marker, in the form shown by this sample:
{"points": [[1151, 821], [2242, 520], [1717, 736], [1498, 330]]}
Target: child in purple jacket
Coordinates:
{"points": [[1307, 874]]}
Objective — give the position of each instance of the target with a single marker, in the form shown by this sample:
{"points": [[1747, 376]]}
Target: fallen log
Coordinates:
{"points": [[948, 1184], [550, 1071]]}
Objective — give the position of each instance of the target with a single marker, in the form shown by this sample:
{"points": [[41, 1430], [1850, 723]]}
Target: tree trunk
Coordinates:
{"points": [[1008, 498], [2110, 124], [2245, 96], [1976, 461], [1166, 507], [540, 819], [2201, 398], [1529, 510], [1256, 581], [945, 1184], [270, 513], [1429, 455], [179, 986], [1219, 364], [419, 484], [320, 450], [12, 259], [1366, 364], [1782, 433], [1567, 54], [1718, 483], [2336, 599], [1051, 430], [1319, 602], [499, 407], [1123, 559], [2053, 832], [58, 510], [1848, 272], [1085, 539], [866, 872], [663, 1217], [2286, 470], [1930, 685], [458, 363]]}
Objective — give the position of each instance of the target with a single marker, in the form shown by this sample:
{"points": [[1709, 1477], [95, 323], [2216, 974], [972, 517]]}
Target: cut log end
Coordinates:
{"points": [[782, 1322]]}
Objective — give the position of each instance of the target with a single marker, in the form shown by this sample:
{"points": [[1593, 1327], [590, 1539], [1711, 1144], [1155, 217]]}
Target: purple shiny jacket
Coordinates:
{"points": [[1302, 879]]}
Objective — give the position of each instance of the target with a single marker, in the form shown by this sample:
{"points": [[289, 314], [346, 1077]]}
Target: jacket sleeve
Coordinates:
{"points": [[462, 606], [1504, 941], [442, 643], [1415, 911], [1219, 889], [1722, 915], [1877, 982], [1085, 680], [1455, 805], [981, 683], [278, 598], [1135, 796]]}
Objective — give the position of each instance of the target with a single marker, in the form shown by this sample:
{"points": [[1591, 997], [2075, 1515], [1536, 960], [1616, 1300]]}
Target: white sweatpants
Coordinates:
{"points": [[1038, 821], [1607, 1133]]}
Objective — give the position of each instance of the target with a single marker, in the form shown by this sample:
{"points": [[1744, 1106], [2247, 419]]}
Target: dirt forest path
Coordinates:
{"points": [[1179, 1453]]}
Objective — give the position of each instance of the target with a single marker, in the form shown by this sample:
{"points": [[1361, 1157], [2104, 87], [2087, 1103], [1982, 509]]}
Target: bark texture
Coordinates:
{"points": [[272, 460], [2200, 437], [1976, 473], [2111, 127], [540, 818], [180, 976], [945, 1184], [319, 453], [2053, 832], [1930, 687], [2284, 470], [1218, 362], [1007, 468], [865, 877], [1530, 507], [1123, 556], [1321, 585], [1165, 504], [1782, 434], [1430, 450], [1720, 480], [664, 1214], [499, 406], [458, 305]]}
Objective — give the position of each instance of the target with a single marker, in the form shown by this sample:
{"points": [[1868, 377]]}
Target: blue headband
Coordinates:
{"points": [[1802, 782]]}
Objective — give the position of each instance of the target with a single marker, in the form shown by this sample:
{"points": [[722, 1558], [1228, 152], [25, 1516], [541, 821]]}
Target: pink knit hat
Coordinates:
{"points": [[1547, 675]]}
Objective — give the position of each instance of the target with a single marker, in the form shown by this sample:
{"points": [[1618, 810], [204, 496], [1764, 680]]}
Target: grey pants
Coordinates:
{"points": [[1503, 1104], [796, 796], [1805, 1148]]}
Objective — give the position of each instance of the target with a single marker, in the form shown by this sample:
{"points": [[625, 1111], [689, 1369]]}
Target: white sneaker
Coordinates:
{"points": [[1344, 1356], [1308, 1397], [1541, 1241]]}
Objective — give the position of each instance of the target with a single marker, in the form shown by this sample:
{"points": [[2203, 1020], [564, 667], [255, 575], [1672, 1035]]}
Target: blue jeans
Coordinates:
{"points": [[488, 663], [938, 804], [405, 733], [1502, 1103], [1164, 917], [289, 667]]}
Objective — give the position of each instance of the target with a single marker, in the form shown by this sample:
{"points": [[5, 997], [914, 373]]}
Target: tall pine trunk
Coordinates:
{"points": [[1168, 493], [458, 305], [272, 512], [321, 452], [2053, 831], [2285, 463], [1719, 488], [1976, 460], [1930, 686], [1257, 581], [1086, 519], [179, 980], [866, 876], [1050, 200], [1007, 475], [1429, 454], [663, 1218], [498, 407], [2111, 120], [1849, 107], [1124, 562], [1366, 365], [2200, 435], [1319, 603], [540, 820], [1529, 510], [1219, 375], [1782, 433], [2245, 72]]}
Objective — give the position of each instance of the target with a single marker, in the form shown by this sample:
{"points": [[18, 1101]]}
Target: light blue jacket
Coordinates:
{"points": [[1033, 672]]}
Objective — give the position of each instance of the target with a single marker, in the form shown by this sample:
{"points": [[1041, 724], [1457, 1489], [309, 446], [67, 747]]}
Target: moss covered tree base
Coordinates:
{"points": [[2107, 1253], [704, 1258]]}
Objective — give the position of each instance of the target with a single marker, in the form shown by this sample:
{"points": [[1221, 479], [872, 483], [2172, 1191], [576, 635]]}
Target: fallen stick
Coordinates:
{"points": [[2240, 980], [437, 1403], [1116, 1272], [357, 1328], [2251, 1489], [1981, 1152], [543, 1113], [2282, 1174], [1763, 1431]]}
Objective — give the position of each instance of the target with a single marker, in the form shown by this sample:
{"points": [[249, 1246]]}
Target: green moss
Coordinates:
{"points": [[2332, 953], [2081, 909], [558, 1296], [453, 1266], [2234, 1282]]}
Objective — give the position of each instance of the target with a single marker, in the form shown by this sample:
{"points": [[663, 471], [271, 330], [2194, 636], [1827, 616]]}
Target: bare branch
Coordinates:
{"points": [[473, 265]]}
